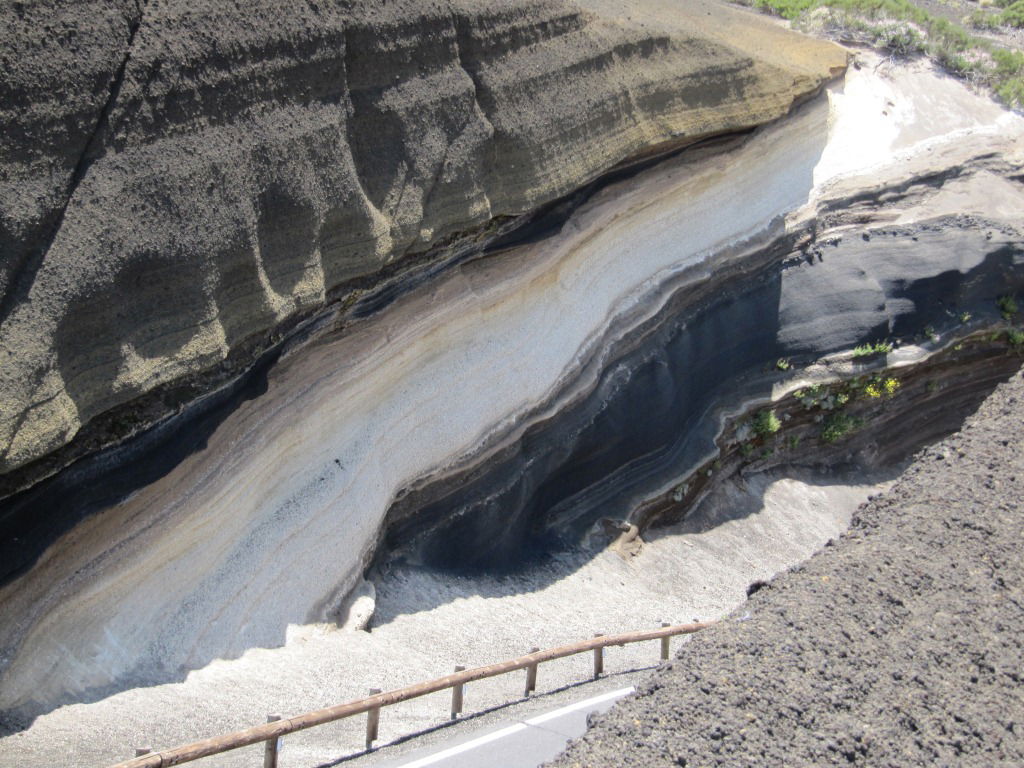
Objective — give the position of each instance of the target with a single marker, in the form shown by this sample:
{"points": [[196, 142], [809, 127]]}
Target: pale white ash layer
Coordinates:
{"points": [[425, 623]]}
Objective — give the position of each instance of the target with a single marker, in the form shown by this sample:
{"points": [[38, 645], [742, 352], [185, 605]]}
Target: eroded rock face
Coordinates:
{"points": [[580, 373], [185, 182]]}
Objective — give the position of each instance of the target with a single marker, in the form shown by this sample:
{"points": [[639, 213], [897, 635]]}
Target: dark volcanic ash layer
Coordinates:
{"points": [[654, 413]]}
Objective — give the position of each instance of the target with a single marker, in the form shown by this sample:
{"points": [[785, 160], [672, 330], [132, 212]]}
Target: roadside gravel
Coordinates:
{"points": [[899, 644]]}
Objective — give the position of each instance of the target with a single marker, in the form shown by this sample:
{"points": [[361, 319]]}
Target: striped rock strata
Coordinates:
{"points": [[185, 183], [883, 207]]}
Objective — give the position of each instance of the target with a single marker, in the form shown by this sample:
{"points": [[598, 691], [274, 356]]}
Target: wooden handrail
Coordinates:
{"points": [[278, 728]]}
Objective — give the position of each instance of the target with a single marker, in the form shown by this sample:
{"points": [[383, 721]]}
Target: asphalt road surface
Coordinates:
{"points": [[520, 744]]}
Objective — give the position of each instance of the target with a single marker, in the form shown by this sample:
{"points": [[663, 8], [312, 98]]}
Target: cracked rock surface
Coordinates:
{"points": [[897, 645]]}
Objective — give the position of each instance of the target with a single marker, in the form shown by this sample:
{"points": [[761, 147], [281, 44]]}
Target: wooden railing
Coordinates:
{"points": [[276, 727]]}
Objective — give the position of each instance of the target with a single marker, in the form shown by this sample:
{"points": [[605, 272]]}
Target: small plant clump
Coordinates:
{"points": [[1009, 76], [1015, 336], [680, 492], [782, 364], [965, 318], [817, 396], [1012, 15], [1007, 306], [838, 425], [870, 350], [878, 387], [810, 396], [766, 423]]}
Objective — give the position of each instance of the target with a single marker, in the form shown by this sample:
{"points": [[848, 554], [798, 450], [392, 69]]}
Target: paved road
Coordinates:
{"points": [[521, 744]]}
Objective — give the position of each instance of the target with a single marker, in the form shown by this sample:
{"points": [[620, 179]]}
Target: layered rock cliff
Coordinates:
{"points": [[184, 183], [518, 396], [457, 278]]}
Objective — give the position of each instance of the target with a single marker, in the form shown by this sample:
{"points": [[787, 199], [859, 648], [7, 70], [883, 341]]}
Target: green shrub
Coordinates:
{"points": [[901, 40], [955, 62], [983, 20], [838, 425], [1011, 91], [766, 423], [1009, 75], [787, 9], [870, 350], [1013, 16], [1007, 306]]}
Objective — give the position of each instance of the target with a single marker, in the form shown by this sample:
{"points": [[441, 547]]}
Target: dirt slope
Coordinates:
{"points": [[898, 645]]}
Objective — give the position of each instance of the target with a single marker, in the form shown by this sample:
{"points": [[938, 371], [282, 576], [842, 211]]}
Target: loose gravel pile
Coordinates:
{"points": [[899, 644]]}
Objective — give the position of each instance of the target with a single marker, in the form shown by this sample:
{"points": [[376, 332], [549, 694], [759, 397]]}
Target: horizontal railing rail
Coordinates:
{"points": [[270, 732]]}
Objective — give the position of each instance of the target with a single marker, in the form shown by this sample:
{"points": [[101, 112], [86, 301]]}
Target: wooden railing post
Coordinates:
{"points": [[372, 721], [457, 694], [664, 643], [531, 675], [271, 747], [264, 732]]}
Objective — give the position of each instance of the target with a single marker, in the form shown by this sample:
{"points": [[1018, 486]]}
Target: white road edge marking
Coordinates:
{"points": [[580, 705], [503, 732]]}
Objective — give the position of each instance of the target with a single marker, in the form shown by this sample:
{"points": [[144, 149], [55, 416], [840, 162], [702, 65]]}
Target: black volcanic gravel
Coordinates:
{"points": [[900, 644]]}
